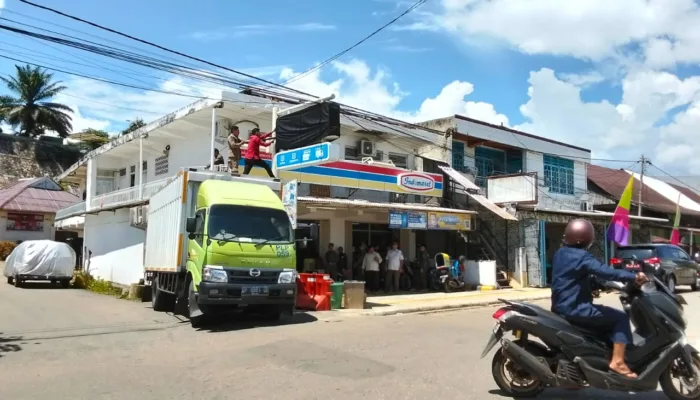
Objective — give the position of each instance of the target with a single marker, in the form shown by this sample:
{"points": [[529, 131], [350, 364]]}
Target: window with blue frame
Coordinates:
{"points": [[458, 156], [558, 174], [488, 162]]}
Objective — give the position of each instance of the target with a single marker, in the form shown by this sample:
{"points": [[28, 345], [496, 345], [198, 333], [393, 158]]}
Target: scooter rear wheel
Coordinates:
{"points": [[512, 380], [673, 373]]}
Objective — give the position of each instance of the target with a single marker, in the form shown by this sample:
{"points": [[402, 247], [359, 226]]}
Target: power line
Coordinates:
{"points": [[338, 55], [262, 90], [673, 177], [160, 47]]}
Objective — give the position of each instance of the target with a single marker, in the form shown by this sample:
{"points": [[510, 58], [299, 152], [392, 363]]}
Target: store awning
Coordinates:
{"points": [[309, 201], [470, 186]]}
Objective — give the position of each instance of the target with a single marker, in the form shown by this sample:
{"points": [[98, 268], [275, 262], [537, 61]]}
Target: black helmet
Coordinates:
{"points": [[579, 233]]}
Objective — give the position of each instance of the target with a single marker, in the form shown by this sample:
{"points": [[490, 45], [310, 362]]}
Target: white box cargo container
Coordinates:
{"points": [[169, 208]]}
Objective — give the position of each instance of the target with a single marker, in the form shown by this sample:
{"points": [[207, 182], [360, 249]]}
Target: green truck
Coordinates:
{"points": [[216, 242]]}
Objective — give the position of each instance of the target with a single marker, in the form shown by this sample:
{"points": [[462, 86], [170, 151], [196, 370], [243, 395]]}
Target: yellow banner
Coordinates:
{"points": [[455, 222]]}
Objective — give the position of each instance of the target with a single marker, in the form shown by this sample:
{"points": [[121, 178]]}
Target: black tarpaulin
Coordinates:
{"points": [[316, 123]]}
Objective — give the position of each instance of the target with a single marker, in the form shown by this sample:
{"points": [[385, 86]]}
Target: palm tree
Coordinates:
{"points": [[30, 107]]}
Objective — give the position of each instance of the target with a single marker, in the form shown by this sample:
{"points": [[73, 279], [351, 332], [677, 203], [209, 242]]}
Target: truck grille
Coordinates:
{"points": [[242, 276]]}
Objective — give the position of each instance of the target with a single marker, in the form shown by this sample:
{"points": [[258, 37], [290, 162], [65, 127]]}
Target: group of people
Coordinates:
{"points": [[252, 153], [370, 266]]}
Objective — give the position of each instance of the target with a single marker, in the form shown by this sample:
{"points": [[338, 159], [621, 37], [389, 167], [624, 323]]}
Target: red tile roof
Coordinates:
{"points": [[613, 182], [27, 195]]}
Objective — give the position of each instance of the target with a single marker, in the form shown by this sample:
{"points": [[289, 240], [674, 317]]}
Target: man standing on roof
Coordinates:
{"points": [[234, 150], [252, 154]]}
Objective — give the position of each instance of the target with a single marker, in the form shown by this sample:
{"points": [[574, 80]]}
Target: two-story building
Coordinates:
{"points": [[542, 182], [362, 198]]}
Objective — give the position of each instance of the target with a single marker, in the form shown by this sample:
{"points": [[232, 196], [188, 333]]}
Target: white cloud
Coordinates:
{"points": [[103, 106], [359, 87], [666, 31], [241, 31], [399, 48]]}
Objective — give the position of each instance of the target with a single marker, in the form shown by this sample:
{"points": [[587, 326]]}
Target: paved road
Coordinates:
{"points": [[71, 344]]}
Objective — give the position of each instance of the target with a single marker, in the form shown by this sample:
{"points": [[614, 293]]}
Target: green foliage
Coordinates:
{"points": [[5, 249], [134, 125], [29, 109], [84, 280], [90, 139]]}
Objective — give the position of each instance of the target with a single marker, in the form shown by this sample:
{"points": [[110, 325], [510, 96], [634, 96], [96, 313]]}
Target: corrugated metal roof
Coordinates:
{"points": [[28, 195], [613, 182]]}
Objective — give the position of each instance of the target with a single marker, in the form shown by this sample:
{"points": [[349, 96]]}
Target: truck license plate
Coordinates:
{"points": [[254, 290]]}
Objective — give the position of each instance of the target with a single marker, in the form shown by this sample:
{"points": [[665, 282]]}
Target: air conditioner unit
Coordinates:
{"points": [[365, 148], [586, 206]]}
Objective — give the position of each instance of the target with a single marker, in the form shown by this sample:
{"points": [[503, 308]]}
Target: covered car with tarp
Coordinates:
{"points": [[40, 260]]}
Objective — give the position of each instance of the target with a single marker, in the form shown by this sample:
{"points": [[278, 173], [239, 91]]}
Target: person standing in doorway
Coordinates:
{"points": [[370, 265], [331, 259], [234, 150], [252, 154], [343, 267], [394, 263], [423, 266]]}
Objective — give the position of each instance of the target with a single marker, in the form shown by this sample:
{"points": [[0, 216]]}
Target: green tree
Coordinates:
{"points": [[134, 125], [29, 105], [90, 139]]}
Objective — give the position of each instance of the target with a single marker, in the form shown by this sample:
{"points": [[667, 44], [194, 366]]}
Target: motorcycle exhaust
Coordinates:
{"points": [[528, 362]]}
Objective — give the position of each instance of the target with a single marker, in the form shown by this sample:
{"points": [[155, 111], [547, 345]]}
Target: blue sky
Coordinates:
{"points": [[620, 79]]}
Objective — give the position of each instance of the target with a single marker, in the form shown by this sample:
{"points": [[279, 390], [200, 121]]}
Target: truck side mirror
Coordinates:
{"points": [[191, 225], [314, 231]]}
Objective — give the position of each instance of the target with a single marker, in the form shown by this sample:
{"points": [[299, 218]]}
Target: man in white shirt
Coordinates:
{"points": [[394, 262], [370, 264]]}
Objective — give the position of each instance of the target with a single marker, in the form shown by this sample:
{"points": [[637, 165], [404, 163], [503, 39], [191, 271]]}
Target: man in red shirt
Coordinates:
{"points": [[252, 154]]}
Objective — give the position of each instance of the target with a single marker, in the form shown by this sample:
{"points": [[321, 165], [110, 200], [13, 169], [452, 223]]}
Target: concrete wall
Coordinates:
{"points": [[534, 162], [13, 236], [117, 248]]}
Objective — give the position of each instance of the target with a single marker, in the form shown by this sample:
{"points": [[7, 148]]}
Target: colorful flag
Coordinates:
{"points": [[675, 234], [619, 229]]}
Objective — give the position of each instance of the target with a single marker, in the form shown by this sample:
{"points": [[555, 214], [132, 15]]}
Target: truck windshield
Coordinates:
{"points": [[252, 224]]}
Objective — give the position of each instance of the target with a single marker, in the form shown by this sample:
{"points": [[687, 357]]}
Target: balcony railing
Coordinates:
{"points": [[128, 195], [75, 209]]}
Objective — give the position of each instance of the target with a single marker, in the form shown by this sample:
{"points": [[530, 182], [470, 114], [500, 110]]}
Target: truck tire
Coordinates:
{"points": [[198, 320], [160, 300], [10, 280], [65, 283], [18, 282]]}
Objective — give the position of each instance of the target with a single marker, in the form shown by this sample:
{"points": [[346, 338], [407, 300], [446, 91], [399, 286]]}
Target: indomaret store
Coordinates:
{"points": [[355, 203]]}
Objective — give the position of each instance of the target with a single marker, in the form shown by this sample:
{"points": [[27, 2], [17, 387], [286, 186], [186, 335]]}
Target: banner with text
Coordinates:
{"points": [[447, 221]]}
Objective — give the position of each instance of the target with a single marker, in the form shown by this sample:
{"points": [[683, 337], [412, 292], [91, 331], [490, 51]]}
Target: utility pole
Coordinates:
{"points": [[644, 161]]}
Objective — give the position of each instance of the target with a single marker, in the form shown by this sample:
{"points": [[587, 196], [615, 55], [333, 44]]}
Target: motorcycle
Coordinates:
{"points": [[455, 280], [574, 356], [438, 275], [406, 277], [595, 286]]}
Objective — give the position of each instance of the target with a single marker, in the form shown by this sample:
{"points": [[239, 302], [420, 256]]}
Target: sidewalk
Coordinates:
{"points": [[426, 302]]}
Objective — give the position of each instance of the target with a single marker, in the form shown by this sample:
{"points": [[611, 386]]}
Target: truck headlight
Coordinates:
{"points": [[287, 276], [214, 273]]}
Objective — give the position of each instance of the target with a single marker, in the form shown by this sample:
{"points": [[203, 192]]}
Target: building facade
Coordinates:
{"points": [[386, 170], [540, 181]]}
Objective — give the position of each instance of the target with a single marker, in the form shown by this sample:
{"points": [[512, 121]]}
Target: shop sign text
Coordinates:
{"points": [[416, 182]]}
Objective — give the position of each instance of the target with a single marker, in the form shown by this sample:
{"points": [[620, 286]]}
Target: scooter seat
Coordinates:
{"points": [[560, 322]]}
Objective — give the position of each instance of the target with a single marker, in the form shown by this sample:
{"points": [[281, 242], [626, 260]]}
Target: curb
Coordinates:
{"points": [[445, 307]]}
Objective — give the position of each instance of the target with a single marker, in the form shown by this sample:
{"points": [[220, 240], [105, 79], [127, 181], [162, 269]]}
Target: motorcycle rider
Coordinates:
{"points": [[571, 291]]}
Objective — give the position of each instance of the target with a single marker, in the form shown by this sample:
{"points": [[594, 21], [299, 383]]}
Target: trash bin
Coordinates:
{"points": [[337, 297], [355, 296]]}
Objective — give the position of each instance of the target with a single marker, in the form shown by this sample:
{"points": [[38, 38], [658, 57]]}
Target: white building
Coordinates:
{"points": [[350, 199]]}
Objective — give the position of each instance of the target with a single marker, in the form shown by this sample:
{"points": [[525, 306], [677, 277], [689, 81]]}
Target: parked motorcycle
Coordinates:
{"points": [[574, 356], [455, 280], [438, 275], [406, 277]]}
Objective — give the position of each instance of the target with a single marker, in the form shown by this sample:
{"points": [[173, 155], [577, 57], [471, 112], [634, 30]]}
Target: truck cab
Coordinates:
{"points": [[240, 249]]}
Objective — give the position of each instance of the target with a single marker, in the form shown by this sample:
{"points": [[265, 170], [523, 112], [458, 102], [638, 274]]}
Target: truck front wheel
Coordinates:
{"points": [[160, 300]]}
